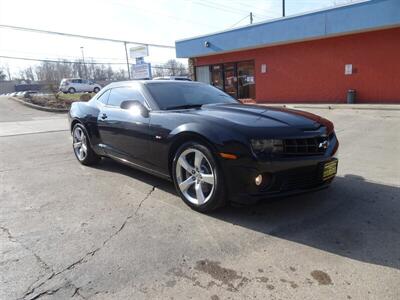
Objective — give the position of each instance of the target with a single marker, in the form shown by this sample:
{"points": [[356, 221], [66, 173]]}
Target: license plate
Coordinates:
{"points": [[330, 169]]}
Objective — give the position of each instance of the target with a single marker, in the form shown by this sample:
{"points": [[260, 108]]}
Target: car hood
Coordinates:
{"points": [[256, 117]]}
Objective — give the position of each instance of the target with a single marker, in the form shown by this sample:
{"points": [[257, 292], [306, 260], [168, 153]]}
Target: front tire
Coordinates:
{"points": [[71, 90], [198, 178], [96, 90], [82, 148]]}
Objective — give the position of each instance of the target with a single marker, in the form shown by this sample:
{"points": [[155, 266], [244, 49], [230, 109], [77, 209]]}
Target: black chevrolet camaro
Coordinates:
{"points": [[211, 146]]}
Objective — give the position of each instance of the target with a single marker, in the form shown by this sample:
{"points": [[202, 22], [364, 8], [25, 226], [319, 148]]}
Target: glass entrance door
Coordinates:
{"points": [[246, 82], [230, 79], [216, 77]]}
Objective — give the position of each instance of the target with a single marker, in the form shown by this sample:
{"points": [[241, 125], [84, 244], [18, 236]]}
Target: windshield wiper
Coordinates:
{"points": [[185, 106]]}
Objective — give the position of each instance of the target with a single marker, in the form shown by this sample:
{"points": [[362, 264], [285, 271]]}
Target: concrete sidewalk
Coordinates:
{"points": [[336, 106]]}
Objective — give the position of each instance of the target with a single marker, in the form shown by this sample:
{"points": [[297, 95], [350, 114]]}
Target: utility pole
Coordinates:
{"points": [[283, 8], [83, 60], [127, 61], [251, 18]]}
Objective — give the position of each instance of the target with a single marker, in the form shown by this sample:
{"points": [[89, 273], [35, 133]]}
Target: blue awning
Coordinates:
{"points": [[354, 18]]}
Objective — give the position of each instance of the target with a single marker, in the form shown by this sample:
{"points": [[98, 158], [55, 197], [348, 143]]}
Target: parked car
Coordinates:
{"points": [[184, 78], [73, 85], [210, 145], [27, 94]]}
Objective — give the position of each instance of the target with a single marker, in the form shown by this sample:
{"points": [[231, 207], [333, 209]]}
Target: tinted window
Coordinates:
{"points": [[104, 97], [77, 80], [170, 95], [118, 95]]}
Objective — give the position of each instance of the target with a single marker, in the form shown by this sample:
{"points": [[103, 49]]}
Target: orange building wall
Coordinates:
{"points": [[313, 71]]}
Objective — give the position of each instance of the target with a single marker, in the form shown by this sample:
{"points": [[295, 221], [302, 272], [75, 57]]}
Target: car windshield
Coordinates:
{"points": [[177, 95]]}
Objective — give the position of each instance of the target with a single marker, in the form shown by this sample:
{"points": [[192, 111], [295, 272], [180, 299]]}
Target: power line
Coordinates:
{"points": [[264, 12], [82, 36], [52, 56], [74, 62], [62, 61], [229, 9], [172, 17], [239, 21]]}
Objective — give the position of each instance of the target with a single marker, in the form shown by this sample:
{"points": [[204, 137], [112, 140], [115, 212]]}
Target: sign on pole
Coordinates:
{"points": [[139, 51], [141, 71]]}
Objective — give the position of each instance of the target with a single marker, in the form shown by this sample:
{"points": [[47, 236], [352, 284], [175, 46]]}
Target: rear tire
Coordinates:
{"points": [[198, 178], [81, 146]]}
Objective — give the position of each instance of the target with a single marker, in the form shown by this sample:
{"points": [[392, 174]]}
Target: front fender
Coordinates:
{"points": [[222, 138]]}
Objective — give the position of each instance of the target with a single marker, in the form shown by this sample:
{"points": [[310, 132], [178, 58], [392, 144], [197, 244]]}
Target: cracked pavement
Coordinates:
{"points": [[112, 232]]}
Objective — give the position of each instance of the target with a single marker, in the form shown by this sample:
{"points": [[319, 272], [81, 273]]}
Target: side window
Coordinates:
{"points": [[76, 80], [104, 97], [118, 95]]}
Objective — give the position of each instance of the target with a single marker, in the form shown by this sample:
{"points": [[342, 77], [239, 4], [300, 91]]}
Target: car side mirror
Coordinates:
{"points": [[135, 107]]}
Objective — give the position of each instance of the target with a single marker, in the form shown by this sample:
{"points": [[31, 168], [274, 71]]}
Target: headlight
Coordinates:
{"points": [[267, 146]]}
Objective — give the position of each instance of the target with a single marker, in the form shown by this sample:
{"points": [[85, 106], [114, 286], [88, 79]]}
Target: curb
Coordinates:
{"points": [[393, 107], [35, 106]]}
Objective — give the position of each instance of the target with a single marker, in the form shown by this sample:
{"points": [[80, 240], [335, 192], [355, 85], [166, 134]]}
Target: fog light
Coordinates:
{"points": [[258, 179]]}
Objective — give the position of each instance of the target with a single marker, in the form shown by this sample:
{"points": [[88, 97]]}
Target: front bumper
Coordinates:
{"points": [[281, 176]]}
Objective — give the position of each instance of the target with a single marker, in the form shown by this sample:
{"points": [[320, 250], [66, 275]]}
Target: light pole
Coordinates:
{"points": [[127, 60], [83, 60], [283, 8]]}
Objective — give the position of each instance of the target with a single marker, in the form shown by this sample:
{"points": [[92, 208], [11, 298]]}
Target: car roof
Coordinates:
{"points": [[144, 82]]}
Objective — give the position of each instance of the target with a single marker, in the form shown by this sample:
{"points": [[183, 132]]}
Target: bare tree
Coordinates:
{"points": [[171, 68], [29, 75], [5, 72], [2, 74], [121, 74], [175, 68]]}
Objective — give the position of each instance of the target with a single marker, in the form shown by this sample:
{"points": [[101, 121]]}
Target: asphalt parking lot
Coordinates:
{"points": [[111, 232]]}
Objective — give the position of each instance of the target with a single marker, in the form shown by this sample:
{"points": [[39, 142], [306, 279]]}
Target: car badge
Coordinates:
{"points": [[323, 145]]}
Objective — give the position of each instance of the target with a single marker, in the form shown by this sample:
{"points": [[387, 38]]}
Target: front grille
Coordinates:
{"points": [[307, 146], [297, 179]]}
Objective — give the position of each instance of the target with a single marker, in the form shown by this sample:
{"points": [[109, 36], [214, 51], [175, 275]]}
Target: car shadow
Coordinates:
{"points": [[354, 218]]}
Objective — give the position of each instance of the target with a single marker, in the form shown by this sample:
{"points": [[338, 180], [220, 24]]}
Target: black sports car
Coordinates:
{"points": [[211, 146]]}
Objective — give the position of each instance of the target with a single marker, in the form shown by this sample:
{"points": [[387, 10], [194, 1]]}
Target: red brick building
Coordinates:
{"points": [[315, 57]]}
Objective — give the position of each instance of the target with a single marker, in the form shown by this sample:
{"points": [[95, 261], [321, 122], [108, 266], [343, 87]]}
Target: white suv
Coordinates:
{"points": [[72, 85]]}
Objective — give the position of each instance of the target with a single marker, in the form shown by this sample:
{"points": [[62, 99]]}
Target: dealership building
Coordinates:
{"points": [[314, 57]]}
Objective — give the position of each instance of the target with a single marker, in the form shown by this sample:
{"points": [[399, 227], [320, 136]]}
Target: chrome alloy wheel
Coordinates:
{"points": [[195, 176], [80, 143]]}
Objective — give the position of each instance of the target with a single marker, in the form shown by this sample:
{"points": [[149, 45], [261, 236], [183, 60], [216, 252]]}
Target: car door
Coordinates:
{"points": [[77, 84], [90, 86], [124, 134], [84, 85]]}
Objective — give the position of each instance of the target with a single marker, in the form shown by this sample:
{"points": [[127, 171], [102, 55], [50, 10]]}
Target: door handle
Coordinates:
{"points": [[104, 116]]}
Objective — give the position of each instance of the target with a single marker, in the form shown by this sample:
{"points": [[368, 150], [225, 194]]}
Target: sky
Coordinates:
{"points": [[152, 21]]}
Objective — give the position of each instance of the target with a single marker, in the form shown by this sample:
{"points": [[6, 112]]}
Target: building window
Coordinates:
{"points": [[203, 74], [236, 79]]}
